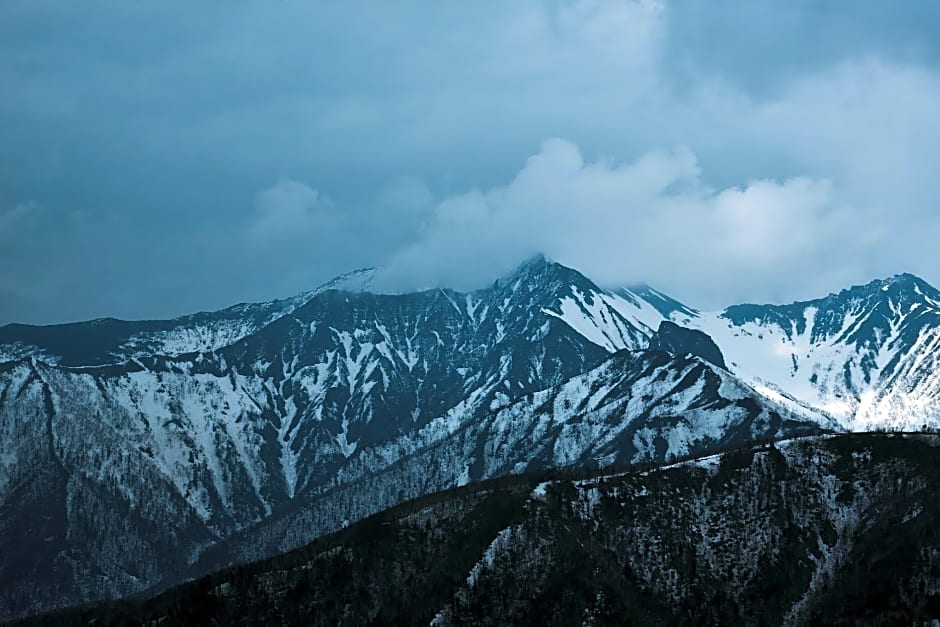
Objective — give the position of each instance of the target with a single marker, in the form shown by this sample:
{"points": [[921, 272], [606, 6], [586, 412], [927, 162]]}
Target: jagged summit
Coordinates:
{"points": [[540, 268], [532, 269], [536, 262], [907, 280], [907, 287], [611, 320], [870, 306], [541, 274], [906, 290], [360, 280]]}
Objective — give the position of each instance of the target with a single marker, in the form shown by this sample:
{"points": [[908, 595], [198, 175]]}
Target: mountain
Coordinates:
{"points": [[642, 407], [107, 340], [133, 461], [121, 476], [678, 340], [867, 355], [820, 530]]}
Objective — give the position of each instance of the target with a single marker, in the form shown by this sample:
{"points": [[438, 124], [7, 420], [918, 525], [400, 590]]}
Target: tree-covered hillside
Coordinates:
{"points": [[831, 529]]}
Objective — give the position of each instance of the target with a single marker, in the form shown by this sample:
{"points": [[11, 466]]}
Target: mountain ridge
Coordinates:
{"points": [[188, 449], [353, 401], [104, 341], [814, 530], [866, 354]]}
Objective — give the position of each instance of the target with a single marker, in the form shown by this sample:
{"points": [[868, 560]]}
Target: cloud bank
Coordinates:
{"points": [[653, 219], [180, 157]]}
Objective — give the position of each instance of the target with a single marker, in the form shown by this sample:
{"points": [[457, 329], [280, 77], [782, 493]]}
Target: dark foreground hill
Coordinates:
{"points": [[821, 530]]}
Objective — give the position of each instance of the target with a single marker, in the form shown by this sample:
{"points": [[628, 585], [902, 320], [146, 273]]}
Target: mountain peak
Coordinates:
{"points": [[541, 270], [907, 281], [667, 306], [354, 281], [904, 288], [533, 265]]}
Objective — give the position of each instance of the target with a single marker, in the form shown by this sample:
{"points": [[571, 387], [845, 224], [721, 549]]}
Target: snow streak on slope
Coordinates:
{"points": [[613, 321], [193, 335], [867, 355], [635, 407], [337, 388], [109, 341]]}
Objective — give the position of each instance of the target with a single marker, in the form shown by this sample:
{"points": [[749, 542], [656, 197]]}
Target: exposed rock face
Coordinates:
{"points": [[672, 338]]}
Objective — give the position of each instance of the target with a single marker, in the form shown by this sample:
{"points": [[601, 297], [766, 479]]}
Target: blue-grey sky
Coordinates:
{"points": [[163, 157]]}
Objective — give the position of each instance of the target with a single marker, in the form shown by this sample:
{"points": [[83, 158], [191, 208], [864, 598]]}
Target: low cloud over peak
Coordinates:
{"points": [[188, 159], [652, 219]]}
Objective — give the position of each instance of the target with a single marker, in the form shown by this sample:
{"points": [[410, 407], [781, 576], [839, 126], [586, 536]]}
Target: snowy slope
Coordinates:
{"points": [[232, 435], [867, 355], [107, 340], [635, 407], [340, 383]]}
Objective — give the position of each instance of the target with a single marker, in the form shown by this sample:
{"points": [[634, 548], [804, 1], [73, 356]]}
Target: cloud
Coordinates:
{"points": [[291, 209], [652, 219], [868, 122], [723, 151]]}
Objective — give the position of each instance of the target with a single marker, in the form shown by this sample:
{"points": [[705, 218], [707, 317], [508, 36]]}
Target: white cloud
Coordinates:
{"points": [[870, 124], [291, 209], [652, 219], [807, 143]]}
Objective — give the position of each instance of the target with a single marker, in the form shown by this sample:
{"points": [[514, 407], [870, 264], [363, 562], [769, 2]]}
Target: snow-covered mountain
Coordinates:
{"points": [[867, 355], [134, 452], [633, 408], [171, 453]]}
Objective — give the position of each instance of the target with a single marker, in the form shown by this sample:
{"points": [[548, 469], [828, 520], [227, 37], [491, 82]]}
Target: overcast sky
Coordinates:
{"points": [[163, 157]]}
